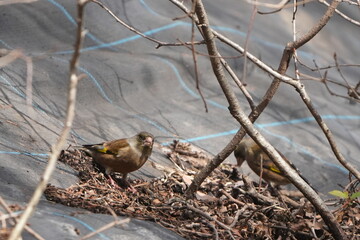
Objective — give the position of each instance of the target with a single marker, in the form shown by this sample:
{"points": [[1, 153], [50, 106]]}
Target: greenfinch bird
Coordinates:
{"points": [[122, 155], [251, 152]]}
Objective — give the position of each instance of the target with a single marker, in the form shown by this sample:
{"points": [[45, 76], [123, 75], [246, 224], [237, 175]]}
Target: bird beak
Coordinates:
{"points": [[148, 141]]}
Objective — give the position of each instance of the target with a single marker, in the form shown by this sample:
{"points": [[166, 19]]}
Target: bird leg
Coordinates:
{"points": [[125, 184], [112, 182]]}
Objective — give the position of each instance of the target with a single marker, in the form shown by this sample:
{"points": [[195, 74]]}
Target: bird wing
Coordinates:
{"points": [[273, 168], [116, 147], [99, 147], [112, 147], [268, 164]]}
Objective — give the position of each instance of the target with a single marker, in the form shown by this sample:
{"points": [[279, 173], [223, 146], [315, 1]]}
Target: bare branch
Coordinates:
{"points": [[7, 57], [357, 23], [29, 78], [317, 27], [280, 5], [12, 215], [179, 44], [250, 27], [352, 91], [197, 80], [206, 215], [160, 43], [274, 11], [70, 112], [246, 123], [239, 84], [7, 2], [294, 39], [116, 222], [284, 63]]}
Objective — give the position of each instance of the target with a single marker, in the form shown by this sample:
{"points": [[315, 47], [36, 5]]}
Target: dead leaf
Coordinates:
{"points": [[204, 197]]}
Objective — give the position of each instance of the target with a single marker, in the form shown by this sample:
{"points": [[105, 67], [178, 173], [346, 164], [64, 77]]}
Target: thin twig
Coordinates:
{"points": [[350, 88], [292, 231], [346, 17], [205, 54], [198, 211], [237, 215], [181, 43], [340, 72], [281, 4], [171, 226], [107, 226], [213, 228], [7, 2], [231, 198], [225, 64], [3, 217], [239, 84], [250, 27], [7, 56], [250, 190], [325, 80], [12, 215], [29, 79], [160, 43], [197, 80], [70, 113], [207, 216], [274, 11], [294, 39]]}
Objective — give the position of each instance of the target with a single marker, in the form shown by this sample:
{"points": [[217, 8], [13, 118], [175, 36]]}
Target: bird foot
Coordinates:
{"points": [[113, 183], [123, 184], [126, 185], [131, 189]]}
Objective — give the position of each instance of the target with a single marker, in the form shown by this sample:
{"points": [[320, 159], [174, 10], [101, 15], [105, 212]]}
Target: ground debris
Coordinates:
{"points": [[226, 206]]}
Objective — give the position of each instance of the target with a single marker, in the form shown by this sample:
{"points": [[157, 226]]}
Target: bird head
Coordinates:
{"points": [[240, 154], [241, 150], [146, 139]]}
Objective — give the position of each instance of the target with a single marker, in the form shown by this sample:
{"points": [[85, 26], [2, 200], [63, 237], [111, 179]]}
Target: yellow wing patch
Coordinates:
{"points": [[275, 169], [103, 150]]}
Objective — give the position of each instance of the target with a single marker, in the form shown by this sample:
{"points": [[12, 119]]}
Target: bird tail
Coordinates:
{"points": [[84, 148], [87, 146], [77, 147], [304, 178]]}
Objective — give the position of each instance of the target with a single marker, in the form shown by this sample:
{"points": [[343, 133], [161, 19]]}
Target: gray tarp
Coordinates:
{"points": [[131, 86]]}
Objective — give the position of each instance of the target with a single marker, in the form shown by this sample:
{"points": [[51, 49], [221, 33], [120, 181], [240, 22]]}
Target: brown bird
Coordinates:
{"points": [[251, 152], [123, 155]]}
